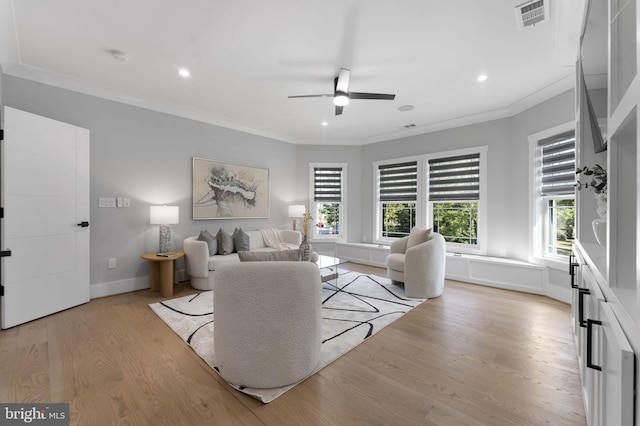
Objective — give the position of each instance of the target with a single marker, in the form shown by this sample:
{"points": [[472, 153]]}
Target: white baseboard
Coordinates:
{"points": [[130, 284], [558, 293], [118, 287]]}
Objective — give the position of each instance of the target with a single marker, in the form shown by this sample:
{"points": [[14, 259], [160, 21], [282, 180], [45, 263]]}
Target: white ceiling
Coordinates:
{"points": [[247, 56]]}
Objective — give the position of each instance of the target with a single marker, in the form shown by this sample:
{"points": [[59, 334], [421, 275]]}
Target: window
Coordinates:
{"points": [[556, 194], [397, 195], [443, 191], [454, 194], [328, 183]]}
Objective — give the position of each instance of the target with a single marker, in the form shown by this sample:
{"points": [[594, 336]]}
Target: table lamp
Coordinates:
{"points": [[296, 211], [164, 216]]}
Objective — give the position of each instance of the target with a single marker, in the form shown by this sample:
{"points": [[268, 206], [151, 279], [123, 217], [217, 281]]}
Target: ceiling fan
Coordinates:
{"points": [[341, 94]]}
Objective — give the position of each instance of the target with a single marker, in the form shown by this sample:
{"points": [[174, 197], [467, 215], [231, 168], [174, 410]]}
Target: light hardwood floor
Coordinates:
{"points": [[474, 356]]}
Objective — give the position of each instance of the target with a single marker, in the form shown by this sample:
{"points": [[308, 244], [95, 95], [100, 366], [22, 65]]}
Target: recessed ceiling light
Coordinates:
{"points": [[184, 72], [119, 55], [324, 123], [405, 108], [482, 77]]}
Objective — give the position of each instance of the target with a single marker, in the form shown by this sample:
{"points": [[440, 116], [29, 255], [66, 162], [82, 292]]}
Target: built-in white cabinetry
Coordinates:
{"points": [[585, 310], [605, 354], [606, 278]]}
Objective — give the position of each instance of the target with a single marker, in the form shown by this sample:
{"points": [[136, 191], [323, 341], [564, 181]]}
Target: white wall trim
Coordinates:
{"points": [[117, 287], [112, 288]]}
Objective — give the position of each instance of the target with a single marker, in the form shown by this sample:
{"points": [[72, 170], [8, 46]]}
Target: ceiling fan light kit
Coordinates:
{"points": [[341, 94], [340, 99]]}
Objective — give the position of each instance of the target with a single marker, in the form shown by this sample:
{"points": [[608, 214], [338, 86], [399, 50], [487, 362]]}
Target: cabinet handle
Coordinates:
{"points": [[590, 324], [572, 270], [571, 263], [582, 292]]}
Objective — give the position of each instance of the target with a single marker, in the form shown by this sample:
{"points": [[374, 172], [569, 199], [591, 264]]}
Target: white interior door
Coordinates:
{"points": [[45, 191]]}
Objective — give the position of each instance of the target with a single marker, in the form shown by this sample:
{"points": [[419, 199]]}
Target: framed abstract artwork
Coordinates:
{"points": [[229, 191]]}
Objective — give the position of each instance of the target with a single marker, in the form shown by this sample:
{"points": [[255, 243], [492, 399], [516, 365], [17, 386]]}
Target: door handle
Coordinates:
{"points": [[84, 224], [5, 253], [590, 363]]}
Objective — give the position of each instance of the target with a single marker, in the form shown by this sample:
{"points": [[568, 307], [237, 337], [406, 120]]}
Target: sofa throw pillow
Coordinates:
{"points": [[276, 255], [225, 242], [240, 240], [210, 240], [418, 236]]}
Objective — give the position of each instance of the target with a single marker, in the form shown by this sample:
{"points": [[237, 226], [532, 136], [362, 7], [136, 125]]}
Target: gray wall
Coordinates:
{"points": [[146, 156]]}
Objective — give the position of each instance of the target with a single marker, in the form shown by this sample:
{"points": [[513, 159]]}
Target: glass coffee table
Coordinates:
{"points": [[328, 267]]}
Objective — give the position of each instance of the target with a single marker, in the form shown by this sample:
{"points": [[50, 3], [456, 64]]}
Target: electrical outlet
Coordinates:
{"points": [[119, 202], [126, 202], [112, 263]]}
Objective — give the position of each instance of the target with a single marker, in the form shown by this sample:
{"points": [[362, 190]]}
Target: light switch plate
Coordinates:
{"points": [[106, 202]]}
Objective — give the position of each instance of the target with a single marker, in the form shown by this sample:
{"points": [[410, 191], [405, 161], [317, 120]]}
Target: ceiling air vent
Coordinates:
{"points": [[532, 12]]}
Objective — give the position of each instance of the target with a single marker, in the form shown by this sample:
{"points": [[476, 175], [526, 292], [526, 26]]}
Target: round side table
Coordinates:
{"points": [[162, 271]]}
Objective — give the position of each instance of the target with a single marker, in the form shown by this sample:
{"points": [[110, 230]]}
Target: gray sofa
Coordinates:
{"points": [[201, 267]]}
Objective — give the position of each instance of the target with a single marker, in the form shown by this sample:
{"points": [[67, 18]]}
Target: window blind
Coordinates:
{"points": [[398, 182], [558, 164], [327, 184], [455, 178]]}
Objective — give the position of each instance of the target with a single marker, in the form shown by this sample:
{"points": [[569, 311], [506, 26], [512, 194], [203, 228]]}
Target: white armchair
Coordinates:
{"points": [[418, 261], [268, 322]]}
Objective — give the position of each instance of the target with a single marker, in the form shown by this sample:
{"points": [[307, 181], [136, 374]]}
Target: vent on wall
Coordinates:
{"points": [[532, 12]]}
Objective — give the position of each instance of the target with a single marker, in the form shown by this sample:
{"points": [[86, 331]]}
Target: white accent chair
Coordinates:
{"points": [[418, 261], [267, 327]]}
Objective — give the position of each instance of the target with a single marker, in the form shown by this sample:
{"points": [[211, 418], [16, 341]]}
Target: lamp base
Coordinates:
{"points": [[165, 238]]}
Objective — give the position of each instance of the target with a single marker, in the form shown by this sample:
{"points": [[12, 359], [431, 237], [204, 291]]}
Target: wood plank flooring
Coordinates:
{"points": [[474, 356]]}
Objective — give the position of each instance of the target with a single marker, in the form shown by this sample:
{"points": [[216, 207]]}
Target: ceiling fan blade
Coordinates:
{"points": [[379, 96], [339, 110], [342, 81], [329, 95]]}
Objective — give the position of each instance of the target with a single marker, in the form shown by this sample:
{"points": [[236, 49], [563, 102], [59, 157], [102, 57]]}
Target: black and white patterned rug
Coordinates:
{"points": [[354, 307]]}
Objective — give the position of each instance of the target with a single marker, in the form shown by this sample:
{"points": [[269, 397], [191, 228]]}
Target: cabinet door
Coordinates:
{"points": [[589, 300], [618, 372]]}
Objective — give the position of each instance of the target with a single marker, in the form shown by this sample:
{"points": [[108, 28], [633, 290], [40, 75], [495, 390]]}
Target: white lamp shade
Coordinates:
{"points": [[296, 210], [164, 215]]}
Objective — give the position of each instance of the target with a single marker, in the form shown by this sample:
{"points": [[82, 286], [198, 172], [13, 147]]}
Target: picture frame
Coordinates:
{"points": [[229, 191]]}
